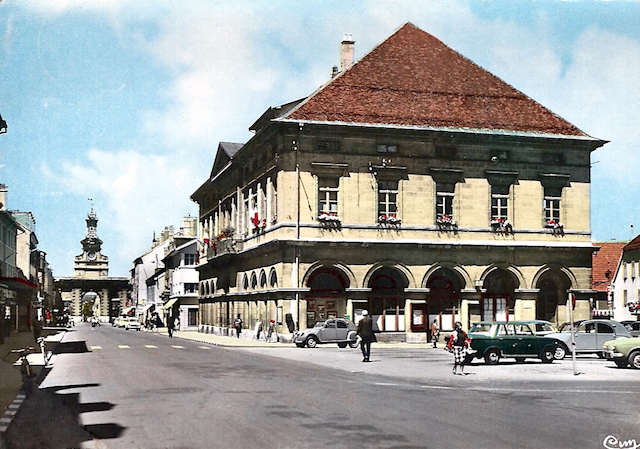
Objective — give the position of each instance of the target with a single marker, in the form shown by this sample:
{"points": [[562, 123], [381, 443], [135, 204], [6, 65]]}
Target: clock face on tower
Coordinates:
{"points": [[91, 255]]}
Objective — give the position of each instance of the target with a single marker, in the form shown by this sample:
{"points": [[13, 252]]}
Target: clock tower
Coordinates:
{"points": [[91, 264]]}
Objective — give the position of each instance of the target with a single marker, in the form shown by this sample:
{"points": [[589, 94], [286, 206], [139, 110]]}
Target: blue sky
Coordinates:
{"points": [[125, 102]]}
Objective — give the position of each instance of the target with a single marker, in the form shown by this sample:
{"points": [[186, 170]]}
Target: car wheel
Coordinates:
{"points": [[342, 345], [548, 354], [300, 345], [492, 357], [353, 344], [634, 360], [519, 359], [601, 355], [560, 352], [312, 342]]}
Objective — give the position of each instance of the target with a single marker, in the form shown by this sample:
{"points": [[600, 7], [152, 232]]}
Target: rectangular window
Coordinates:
{"points": [[189, 259], [190, 287], [387, 198], [499, 202], [444, 201], [328, 196], [625, 298], [551, 209], [387, 148]]}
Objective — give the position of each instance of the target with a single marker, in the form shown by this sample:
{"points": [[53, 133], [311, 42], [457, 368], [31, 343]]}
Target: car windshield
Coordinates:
{"points": [[319, 324]]}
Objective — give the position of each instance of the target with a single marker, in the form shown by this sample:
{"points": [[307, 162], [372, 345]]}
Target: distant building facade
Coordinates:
{"points": [[91, 283], [415, 185]]}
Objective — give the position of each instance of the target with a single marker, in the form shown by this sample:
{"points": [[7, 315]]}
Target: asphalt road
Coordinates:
{"points": [[127, 389]]}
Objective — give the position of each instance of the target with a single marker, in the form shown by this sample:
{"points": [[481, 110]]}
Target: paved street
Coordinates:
{"points": [[126, 389]]}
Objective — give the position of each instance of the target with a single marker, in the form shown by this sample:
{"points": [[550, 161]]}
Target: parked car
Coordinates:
{"points": [[493, 340], [564, 327], [121, 321], [541, 327], [334, 330], [132, 323], [623, 352], [589, 336], [633, 327]]}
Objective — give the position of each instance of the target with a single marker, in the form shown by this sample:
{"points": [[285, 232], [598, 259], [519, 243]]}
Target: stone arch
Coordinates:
{"points": [[506, 267], [499, 284], [273, 278], [254, 281], [445, 285], [263, 279], [386, 299], [464, 275], [326, 297], [344, 269], [552, 284], [245, 282], [406, 273]]}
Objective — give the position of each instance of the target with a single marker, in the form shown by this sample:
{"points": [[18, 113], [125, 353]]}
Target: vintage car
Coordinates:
{"points": [[493, 340], [589, 336], [624, 351], [132, 323], [334, 330], [633, 327], [541, 327]]}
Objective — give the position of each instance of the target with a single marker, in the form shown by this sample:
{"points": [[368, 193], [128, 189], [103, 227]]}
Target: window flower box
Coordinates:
{"points": [[501, 225], [555, 226], [446, 223], [329, 220], [390, 220]]}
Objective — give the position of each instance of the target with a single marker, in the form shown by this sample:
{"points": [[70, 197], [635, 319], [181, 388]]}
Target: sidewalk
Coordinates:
{"points": [[250, 342], [11, 398]]}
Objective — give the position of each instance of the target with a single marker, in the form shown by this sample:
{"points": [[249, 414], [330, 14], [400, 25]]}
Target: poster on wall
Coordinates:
{"points": [[332, 314]]}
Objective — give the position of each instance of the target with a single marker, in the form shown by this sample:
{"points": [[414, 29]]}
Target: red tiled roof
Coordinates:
{"points": [[603, 262], [413, 79], [633, 244]]}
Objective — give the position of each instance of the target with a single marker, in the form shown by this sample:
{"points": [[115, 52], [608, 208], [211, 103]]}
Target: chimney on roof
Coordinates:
{"points": [[346, 52]]}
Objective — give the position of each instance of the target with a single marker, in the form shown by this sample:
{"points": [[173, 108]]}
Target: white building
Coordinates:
{"points": [[182, 279], [626, 283]]}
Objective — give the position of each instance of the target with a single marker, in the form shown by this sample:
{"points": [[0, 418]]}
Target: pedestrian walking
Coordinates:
{"points": [[458, 344], [171, 321], [435, 333], [237, 324], [365, 331]]}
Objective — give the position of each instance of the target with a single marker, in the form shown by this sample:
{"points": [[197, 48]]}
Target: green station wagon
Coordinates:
{"points": [[495, 339], [624, 351]]}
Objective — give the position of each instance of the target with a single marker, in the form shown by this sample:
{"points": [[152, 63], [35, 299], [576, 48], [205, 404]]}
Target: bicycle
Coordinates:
{"points": [[28, 381], [151, 327]]}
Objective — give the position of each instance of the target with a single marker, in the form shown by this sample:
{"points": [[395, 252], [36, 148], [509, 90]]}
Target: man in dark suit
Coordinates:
{"points": [[365, 331]]}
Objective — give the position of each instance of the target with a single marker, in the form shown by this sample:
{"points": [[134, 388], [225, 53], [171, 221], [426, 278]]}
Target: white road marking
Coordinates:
{"points": [[177, 346], [204, 347], [150, 346], [95, 347], [123, 347]]}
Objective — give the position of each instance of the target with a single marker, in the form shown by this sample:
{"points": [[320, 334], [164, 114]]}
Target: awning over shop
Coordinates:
{"points": [[170, 303], [147, 308], [128, 310], [16, 283]]}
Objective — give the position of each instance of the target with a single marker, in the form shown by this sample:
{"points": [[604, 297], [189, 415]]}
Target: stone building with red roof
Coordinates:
{"points": [[414, 184]]}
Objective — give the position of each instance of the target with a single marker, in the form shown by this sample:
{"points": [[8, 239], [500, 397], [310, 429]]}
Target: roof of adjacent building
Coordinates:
{"points": [[413, 79], [604, 263], [633, 244]]}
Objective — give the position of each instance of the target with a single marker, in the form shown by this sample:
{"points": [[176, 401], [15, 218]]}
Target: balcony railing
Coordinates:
{"points": [[225, 246]]}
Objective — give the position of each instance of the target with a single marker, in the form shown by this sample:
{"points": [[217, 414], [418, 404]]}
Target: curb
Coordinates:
{"points": [[14, 407]]}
